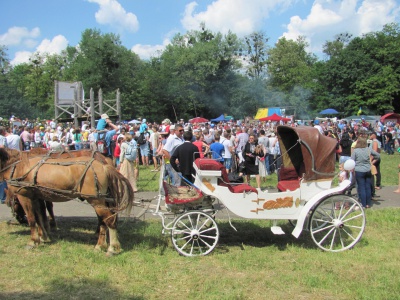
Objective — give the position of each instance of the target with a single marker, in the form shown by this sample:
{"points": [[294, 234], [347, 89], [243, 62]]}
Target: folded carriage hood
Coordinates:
{"points": [[308, 151]]}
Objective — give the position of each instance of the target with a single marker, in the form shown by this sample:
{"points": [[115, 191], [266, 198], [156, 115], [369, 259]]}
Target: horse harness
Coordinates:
{"points": [[19, 181]]}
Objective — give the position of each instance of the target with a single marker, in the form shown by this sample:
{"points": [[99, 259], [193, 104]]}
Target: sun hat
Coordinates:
{"points": [[104, 116]]}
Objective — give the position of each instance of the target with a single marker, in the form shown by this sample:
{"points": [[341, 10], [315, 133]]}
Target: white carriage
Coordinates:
{"points": [[305, 197]]}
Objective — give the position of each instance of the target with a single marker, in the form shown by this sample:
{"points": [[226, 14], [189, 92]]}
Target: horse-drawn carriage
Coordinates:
{"points": [[305, 197]]}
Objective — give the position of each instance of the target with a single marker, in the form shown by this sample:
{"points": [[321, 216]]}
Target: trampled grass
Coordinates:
{"points": [[249, 264]]}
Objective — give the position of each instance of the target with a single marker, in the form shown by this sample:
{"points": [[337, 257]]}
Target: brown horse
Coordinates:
{"points": [[64, 179], [13, 201]]}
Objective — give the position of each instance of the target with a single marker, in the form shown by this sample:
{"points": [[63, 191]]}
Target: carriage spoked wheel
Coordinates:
{"points": [[337, 223], [194, 233]]}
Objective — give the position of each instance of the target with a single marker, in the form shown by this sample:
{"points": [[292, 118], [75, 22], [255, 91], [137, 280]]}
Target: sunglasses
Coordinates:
{"points": [[182, 130]]}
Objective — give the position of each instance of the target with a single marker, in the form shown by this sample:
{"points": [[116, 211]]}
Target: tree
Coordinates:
{"points": [[196, 72], [290, 65], [333, 48], [256, 54], [100, 61], [13, 83], [365, 73]]}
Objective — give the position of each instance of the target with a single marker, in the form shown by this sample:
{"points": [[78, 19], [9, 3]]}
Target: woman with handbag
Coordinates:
{"points": [[362, 157]]}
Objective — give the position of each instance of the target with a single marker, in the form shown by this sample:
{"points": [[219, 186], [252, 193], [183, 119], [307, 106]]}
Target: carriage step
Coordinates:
{"points": [[277, 230]]}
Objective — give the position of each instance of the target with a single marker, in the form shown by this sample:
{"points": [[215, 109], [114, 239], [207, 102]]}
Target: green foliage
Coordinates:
{"points": [[196, 73], [364, 72], [290, 65], [246, 264], [257, 52]]}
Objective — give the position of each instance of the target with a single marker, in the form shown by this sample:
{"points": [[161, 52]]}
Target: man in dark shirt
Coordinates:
{"points": [[185, 154]]}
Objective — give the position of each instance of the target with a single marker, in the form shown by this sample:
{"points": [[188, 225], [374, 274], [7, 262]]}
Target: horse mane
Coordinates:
{"points": [[38, 151], [4, 157], [24, 157]]}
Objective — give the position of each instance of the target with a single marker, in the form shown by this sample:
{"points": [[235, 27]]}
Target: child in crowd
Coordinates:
{"points": [[117, 151], [343, 175]]}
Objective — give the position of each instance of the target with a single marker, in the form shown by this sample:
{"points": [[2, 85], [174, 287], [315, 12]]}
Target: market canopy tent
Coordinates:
{"points": [[219, 119], [261, 113], [329, 111], [266, 112], [198, 120], [391, 117], [134, 122], [274, 117]]}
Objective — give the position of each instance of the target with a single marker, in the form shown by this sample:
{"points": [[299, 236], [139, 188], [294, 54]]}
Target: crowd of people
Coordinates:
{"points": [[250, 148]]}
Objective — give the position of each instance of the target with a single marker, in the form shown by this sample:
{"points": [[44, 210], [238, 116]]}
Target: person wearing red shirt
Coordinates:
{"points": [[117, 151]]}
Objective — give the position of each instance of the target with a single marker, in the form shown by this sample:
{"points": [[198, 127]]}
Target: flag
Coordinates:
{"points": [[359, 111]]}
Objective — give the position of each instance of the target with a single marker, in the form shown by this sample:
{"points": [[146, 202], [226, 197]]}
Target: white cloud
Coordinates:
{"points": [[112, 13], [147, 51], [240, 16], [55, 46], [19, 35], [21, 57], [330, 17]]}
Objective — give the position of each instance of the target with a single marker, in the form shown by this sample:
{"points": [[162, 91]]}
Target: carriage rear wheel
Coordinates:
{"points": [[337, 223], [194, 233]]}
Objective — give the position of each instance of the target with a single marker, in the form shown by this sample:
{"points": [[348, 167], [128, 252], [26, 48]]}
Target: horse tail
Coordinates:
{"points": [[120, 189]]}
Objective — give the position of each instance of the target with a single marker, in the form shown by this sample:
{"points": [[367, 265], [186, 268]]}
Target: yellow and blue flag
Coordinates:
{"points": [[359, 111]]}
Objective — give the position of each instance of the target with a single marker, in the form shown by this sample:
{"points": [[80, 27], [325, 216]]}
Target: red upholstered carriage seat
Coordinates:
{"points": [[213, 165], [289, 180], [180, 195]]}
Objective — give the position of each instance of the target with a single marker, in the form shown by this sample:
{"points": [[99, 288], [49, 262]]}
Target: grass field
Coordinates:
{"points": [[249, 264]]}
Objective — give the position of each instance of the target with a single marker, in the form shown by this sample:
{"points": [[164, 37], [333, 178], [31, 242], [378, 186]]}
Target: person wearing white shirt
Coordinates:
{"points": [[173, 141], [228, 148], [316, 125], [13, 140], [53, 124], [272, 152], [55, 145]]}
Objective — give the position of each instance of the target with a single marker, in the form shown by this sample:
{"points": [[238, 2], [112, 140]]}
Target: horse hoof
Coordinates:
{"points": [[29, 247], [111, 254], [100, 248]]}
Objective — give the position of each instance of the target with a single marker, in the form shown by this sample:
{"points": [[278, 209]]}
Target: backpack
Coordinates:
{"points": [[113, 143], [141, 139], [101, 144], [131, 151]]}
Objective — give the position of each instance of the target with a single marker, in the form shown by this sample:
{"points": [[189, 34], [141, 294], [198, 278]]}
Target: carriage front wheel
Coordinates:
{"points": [[337, 223], [194, 233]]}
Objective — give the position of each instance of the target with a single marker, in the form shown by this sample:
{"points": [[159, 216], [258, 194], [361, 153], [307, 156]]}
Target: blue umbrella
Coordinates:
{"points": [[329, 111]]}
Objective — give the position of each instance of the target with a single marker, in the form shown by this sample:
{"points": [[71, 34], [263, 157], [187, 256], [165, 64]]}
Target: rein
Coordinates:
{"points": [[19, 181]]}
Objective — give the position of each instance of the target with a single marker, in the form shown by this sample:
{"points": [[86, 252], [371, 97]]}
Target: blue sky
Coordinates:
{"points": [[145, 26]]}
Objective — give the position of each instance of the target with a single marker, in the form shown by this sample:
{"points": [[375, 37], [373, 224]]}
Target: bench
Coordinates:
{"points": [[180, 194], [207, 164]]}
